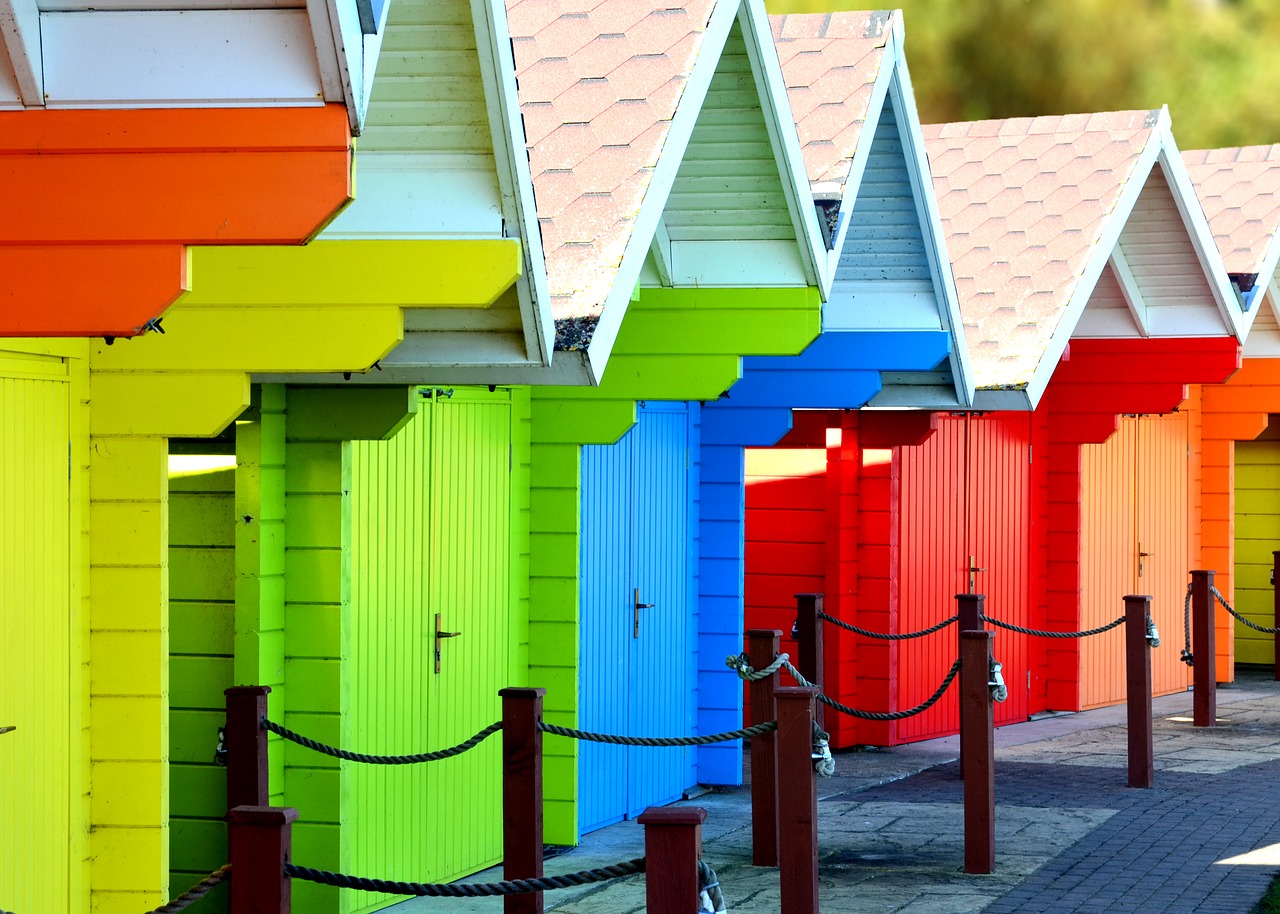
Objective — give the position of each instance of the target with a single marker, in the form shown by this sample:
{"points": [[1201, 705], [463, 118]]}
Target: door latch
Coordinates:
{"points": [[973, 573], [7, 729], [635, 631], [1142, 555], [440, 636]]}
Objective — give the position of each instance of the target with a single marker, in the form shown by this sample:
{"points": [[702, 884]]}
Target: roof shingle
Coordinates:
{"points": [[1023, 203], [1240, 191]]}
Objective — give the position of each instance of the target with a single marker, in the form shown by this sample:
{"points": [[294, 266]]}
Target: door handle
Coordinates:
{"points": [[441, 634], [1141, 555], [973, 573], [635, 630], [7, 729]]}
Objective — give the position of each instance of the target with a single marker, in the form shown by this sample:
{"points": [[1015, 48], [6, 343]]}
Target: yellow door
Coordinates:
{"points": [[36, 669]]}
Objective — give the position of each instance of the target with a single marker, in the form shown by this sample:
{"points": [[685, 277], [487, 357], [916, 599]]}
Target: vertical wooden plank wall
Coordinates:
{"points": [[40, 677], [202, 610]]}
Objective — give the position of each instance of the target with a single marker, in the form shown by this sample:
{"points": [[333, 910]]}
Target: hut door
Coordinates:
{"points": [[430, 554], [637, 644], [36, 674]]}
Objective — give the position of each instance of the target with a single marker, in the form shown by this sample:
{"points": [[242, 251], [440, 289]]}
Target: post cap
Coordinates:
{"points": [[973, 635], [247, 690], [522, 692], [263, 815], [764, 633], [673, 815], [1138, 596]]}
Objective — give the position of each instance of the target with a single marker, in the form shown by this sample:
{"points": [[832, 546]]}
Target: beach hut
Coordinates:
{"points": [[1090, 289], [1240, 191], [109, 117]]}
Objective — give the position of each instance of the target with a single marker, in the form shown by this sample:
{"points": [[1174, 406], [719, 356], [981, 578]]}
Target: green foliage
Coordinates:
{"points": [[1213, 62]]}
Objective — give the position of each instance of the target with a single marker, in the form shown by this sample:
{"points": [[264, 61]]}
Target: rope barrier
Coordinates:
{"points": [[195, 893], [616, 740], [1047, 634], [1239, 618], [884, 636], [464, 889], [881, 715], [1187, 656], [349, 756], [741, 663]]}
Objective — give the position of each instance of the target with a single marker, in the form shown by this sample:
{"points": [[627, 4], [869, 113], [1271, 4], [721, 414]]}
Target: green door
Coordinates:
{"points": [[430, 537]]}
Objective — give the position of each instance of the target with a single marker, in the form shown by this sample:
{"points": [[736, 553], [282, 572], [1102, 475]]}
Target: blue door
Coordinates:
{"points": [[637, 659]]}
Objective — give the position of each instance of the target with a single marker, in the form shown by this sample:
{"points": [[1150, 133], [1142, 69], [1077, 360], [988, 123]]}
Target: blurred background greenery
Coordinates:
{"points": [[1215, 63]]}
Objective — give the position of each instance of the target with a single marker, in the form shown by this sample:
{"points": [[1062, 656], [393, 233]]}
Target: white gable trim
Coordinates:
{"points": [[780, 122], [1234, 319], [1107, 242], [661, 250], [515, 181], [20, 31], [670, 157], [917, 161], [1266, 272], [1130, 291]]}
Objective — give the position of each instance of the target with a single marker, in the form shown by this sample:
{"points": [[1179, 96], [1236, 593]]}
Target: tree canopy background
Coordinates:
{"points": [[1215, 63]]}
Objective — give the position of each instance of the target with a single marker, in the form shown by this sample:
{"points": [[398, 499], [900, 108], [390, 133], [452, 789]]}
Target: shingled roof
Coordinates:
{"points": [[830, 63], [599, 84], [1024, 203], [1240, 191]]}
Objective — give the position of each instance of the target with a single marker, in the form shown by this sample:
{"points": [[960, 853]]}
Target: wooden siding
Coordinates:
{"points": [[202, 534], [430, 532], [1257, 536], [429, 96], [39, 680], [728, 187], [1135, 496]]}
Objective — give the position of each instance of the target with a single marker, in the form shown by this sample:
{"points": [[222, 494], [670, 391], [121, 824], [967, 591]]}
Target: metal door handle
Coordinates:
{"points": [[1142, 555], [7, 729], [635, 629], [441, 634]]}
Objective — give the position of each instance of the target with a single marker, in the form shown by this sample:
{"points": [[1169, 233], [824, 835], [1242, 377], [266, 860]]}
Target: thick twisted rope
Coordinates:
{"points": [[615, 740], [464, 889], [884, 636], [881, 715], [741, 664], [349, 756], [1187, 657], [1041, 633], [195, 893], [1239, 618]]}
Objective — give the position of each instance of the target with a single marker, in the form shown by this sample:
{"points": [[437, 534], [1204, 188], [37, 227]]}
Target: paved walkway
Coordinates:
{"points": [[1070, 836]]}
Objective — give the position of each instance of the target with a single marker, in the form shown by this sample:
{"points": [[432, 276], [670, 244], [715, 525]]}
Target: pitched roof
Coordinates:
{"points": [[1240, 191], [599, 83], [830, 63], [1024, 203]]}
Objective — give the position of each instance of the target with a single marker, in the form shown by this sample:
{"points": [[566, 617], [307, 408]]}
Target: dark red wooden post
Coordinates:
{"points": [[797, 802], [762, 648], [969, 610], [261, 839], [1142, 771], [522, 794], [809, 641], [1275, 589], [672, 846], [977, 743], [248, 776], [1205, 705]]}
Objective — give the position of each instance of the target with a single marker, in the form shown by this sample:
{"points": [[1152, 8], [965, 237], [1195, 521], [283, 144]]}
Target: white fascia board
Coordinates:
{"points": [[661, 251], [20, 32], [917, 160], [328, 58], [1235, 320], [783, 137], [1108, 241], [515, 181], [1266, 273], [661, 181], [1273, 298], [1129, 290], [861, 155]]}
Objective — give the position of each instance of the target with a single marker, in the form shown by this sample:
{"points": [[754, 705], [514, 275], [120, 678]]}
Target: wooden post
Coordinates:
{"points": [[1142, 772], [522, 794], [809, 645], [1205, 705], [1275, 590], [797, 802], [762, 648], [261, 841], [672, 846], [248, 776], [969, 610], [977, 743]]}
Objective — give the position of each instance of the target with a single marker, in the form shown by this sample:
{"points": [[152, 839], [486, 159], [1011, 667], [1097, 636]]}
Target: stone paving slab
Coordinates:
{"points": [[1070, 835]]}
